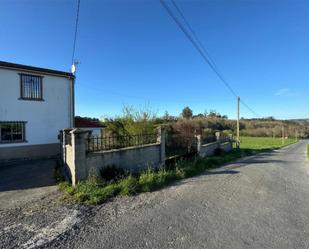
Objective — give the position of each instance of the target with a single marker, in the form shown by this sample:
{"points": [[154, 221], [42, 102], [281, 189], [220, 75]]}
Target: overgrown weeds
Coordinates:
{"points": [[98, 190], [114, 182]]}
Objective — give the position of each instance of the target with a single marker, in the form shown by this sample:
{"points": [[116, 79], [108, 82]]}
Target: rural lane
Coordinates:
{"points": [[258, 202]]}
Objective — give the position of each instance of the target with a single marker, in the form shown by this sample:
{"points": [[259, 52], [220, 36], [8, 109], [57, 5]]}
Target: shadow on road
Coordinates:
{"points": [[27, 174], [221, 172]]}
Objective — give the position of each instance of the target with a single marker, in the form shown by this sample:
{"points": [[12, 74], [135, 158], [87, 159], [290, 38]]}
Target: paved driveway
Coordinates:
{"points": [[25, 181]]}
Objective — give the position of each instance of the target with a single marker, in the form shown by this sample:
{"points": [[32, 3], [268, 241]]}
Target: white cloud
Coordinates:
{"points": [[285, 92], [282, 91]]}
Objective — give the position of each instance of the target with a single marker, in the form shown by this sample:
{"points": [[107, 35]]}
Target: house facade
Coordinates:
{"points": [[35, 104]]}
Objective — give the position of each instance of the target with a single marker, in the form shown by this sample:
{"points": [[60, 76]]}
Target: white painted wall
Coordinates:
{"points": [[44, 118]]}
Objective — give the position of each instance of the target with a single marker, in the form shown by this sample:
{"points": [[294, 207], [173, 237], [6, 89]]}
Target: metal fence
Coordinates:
{"points": [[208, 139], [117, 142], [179, 145], [211, 139], [182, 145]]}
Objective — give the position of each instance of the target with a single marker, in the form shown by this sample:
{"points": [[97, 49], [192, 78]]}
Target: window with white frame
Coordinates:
{"points": [[31, 87], [12, 131]]}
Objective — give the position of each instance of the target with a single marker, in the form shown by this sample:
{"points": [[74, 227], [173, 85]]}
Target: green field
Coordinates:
{"points": [[263, 143]]}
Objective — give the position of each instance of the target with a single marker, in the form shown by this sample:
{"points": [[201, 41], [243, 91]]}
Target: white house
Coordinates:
{"points": [[35, 103]]}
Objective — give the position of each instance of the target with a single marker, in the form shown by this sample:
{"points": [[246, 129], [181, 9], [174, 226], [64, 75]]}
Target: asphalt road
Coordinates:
{"points": [[260, 202]]}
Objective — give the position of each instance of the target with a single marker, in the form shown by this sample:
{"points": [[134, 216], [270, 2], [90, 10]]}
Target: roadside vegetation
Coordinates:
{"points": [[257, 135], [115, 182], [145, 120], [264, 142]]}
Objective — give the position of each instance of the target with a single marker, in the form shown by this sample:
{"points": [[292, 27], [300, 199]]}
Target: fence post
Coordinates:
{"points": [[63, 136], [199, 143], [218, 135], [161, 140], [78, 141]]}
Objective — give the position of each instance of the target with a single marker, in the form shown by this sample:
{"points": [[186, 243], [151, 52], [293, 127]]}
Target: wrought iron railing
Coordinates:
{"points": [[211, 139], [180, 145], [117, 142]]}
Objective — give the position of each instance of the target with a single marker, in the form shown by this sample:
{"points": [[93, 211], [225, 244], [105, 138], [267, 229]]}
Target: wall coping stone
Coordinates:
{"points": [[122, 149], [214, 143]]}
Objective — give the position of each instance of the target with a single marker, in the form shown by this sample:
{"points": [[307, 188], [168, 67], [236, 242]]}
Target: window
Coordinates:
{"points": [[31, 87], [11, 132]]}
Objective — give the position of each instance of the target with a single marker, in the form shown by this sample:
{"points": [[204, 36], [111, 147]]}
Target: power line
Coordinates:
{"points": [[75, 32], [194, 34], [196, 46], [249, 108], [200, 48]]}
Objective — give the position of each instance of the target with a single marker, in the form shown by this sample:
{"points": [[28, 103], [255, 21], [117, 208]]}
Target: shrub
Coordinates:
{"points": [[147, 180], [219, 152], [128, 186], [102, 194], [67, 187], [164, 177], [132, 121], [179, 173], [112, 173]]}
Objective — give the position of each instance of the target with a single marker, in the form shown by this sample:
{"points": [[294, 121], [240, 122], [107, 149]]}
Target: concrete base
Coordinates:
{"points": [[132, 159], [29, 152], [209, 149]]}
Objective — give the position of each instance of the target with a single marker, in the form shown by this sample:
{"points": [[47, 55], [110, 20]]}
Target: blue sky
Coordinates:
{"points": [[132, 53]]}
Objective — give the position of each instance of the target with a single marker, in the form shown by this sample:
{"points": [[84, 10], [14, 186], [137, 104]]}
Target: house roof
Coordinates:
{"points": [[9, 65], [87, 123]]}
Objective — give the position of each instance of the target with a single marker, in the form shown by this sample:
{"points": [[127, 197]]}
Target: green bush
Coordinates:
{"points": [[112, 173], [128, 186], [147, 181], [102, 194], [179, 173]]}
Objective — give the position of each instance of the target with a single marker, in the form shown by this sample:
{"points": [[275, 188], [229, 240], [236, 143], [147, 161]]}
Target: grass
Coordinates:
{"points": [[264, 143], [97, 190], [308, 150]]}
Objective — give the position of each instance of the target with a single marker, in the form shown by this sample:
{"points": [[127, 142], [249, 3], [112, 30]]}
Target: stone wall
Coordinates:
{"points": [[132, 159], [227, 146], [80, 165], [209, 149]]}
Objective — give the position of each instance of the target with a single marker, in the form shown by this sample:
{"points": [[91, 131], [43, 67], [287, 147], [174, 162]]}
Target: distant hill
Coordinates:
{"points": [[303, 121]]}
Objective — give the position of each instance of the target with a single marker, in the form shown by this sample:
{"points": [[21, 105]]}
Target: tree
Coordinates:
{"points": [[133, 121], [166, 116], [187, 113]]}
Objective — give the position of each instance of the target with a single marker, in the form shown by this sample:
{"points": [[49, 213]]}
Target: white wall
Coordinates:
{"points": [[44, 118]]}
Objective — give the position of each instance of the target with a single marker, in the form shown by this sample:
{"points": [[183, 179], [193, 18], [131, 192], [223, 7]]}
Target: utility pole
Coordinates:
{"points": [[282, 134], [238, 139], [296, 135]]}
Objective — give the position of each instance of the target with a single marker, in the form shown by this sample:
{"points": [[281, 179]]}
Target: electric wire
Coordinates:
{"points": [[75, 31], [200, 48]]}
